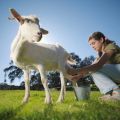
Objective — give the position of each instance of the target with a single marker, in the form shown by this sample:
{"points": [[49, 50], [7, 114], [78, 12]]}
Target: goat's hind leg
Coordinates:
{"points": [[63, 88], [27, 86]]}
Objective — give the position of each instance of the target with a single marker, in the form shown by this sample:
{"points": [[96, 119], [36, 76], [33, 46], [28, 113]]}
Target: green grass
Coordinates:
{"points": [[35, 109]]}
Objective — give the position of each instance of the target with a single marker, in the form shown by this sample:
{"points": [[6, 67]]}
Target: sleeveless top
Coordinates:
{"points": [[115, 58]]}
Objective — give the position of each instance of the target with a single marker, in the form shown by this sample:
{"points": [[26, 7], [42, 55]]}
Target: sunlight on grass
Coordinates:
{"points": [[35, 109]]}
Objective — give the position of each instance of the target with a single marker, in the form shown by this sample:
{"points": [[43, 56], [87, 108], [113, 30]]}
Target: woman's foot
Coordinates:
{"points": [[104, 97], [113, 97]]}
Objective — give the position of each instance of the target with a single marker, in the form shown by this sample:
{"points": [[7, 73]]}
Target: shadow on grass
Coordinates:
{"points": [[98, 110], [88, 110], [9, 113]]}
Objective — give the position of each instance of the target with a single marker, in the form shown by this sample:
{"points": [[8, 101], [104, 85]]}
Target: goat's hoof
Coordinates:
{"points": [[59, 101], [48, 101], [24, 101]]}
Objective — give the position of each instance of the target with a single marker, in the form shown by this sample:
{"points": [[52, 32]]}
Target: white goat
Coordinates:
{"points": [[27, 53]]}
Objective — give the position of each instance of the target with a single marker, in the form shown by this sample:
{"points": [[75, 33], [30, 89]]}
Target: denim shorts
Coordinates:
{"points": [[106, 77]]}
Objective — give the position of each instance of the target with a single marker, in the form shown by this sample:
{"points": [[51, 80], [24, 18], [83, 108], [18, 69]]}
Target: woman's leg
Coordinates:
{"points": [[106, 76]]}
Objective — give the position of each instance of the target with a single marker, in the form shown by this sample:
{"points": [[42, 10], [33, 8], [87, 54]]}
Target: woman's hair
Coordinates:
{"points": [[97, 36]]}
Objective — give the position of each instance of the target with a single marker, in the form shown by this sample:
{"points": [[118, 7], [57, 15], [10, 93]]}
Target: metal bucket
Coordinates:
{"points": [[82, 92]]}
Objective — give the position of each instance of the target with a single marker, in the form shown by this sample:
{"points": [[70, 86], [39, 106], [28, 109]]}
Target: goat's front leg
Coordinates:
{"points": [[27, 86], [44, 82], [63, 88]]}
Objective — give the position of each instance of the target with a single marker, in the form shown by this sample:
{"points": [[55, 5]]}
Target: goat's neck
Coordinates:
{"points": [[17, 45], [18, 40], [15, 41]]}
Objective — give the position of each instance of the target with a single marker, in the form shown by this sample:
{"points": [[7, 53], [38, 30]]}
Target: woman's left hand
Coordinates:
{"points": [[76, 72], [77, 77], [71, 71]]}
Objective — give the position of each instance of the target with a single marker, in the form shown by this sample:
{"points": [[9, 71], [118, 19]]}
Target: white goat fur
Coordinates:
{"points": [[27, 53]]}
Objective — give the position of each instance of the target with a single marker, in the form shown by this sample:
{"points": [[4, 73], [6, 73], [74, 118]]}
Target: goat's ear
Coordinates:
{"points": [[44, 32], [16, 15]]}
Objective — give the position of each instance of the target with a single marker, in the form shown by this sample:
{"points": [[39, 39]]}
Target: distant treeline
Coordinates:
{"points": [[4, 86]]}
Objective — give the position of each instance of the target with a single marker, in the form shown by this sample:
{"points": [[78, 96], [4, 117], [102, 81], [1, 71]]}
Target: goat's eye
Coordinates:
{"points": [[36, 20], [28, 21]]}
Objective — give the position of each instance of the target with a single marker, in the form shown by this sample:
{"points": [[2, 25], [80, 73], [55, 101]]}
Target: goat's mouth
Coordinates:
{"points": [[40, 37], [37, 38]]}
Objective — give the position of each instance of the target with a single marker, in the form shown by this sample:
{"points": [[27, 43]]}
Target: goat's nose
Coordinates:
{"points": [[39, 33]]}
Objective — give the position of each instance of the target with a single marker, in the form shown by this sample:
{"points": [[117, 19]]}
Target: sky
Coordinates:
{"points": [[69, 22]]}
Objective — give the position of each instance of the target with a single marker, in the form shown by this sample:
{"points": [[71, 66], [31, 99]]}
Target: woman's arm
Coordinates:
{"points": [[93, 67], [98, 64], [96, 60]]}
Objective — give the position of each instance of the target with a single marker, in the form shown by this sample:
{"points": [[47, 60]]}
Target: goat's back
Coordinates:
{"points": [[39, 53]]}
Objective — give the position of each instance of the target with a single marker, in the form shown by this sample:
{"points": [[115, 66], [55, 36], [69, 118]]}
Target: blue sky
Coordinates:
{"points": [[69, 22]]}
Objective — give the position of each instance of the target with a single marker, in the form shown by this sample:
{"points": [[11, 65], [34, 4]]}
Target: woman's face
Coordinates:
{"points": [[96, 44]]}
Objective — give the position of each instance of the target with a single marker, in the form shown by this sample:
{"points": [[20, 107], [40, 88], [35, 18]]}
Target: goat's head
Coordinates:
{"points": [[29, 27]]}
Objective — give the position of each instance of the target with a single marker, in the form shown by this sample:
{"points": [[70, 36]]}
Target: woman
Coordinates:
{"points": [[105, 70]]}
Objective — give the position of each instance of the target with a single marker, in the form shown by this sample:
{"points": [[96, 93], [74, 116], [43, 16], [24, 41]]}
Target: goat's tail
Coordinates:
{"points": [[67, 56]]}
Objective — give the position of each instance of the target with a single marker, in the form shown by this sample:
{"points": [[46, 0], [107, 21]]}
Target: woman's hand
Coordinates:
{"points": [[71, 71], [76, 77]]}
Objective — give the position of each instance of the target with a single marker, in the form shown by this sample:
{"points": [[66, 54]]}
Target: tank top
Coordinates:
{"points": [[115, 58]]}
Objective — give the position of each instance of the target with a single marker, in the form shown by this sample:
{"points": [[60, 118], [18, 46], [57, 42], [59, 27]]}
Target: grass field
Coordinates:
{"points": [[35, 109]]}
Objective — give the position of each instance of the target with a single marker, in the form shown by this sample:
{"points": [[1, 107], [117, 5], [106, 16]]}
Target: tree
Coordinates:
{"points": [[54, 79], [35, 82], [87, 61], [12, 72]]}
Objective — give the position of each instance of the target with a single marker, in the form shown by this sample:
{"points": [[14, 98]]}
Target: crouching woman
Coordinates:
{"points": [[105, 70]]}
